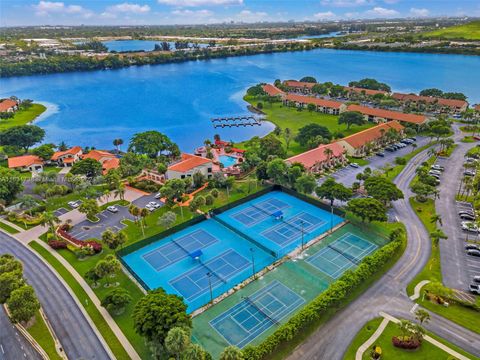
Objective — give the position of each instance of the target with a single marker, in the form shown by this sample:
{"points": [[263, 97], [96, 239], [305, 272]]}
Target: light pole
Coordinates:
{"points": [[301, 223], [331, 218], [252, 250], [209, 275]]}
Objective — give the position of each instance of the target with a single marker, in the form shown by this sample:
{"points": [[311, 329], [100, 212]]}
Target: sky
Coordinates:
{"points": [[167, 12]]}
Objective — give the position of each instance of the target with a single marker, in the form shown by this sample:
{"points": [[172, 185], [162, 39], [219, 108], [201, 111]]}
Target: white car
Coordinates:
{"points": [[476, 278], [154, 204], [469, 226], [158, 196], [149, 207], [112, 209], [354, 165], [73, 204]]}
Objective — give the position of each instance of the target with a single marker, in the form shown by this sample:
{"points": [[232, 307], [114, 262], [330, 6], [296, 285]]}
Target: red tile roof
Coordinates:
{"points": [[189, 162], [272, 90], [312, 100], [110, 164], [98, 154], [430, 100], [299, 84], [477, 107], [317, 155], [365, 136], [25, 160], [72, 151], [241, 151], [222, 143], [366, 91], [388, 114], [6, 104]]}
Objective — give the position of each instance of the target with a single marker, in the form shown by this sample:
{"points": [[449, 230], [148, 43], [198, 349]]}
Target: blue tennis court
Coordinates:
{"points": [[221, 268], [342, 254], [179, 249], [259, 211], [255, 314]]}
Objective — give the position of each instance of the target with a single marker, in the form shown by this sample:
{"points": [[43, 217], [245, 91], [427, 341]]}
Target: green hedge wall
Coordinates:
{"points": [[336, 292]]}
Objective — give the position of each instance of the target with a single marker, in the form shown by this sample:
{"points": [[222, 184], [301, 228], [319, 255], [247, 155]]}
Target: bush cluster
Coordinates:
{"points": [[57, 244], [333, 296], [406, 343]]}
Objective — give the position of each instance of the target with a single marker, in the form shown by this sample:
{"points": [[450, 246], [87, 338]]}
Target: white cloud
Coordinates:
{"points": [[192, 3], [251, 16], [46, 8], [378, 11], [419, 12], [324, 15], [346, 3], [128, 8], [191, 13]]}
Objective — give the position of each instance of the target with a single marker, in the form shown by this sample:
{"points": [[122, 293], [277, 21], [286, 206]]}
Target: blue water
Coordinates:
{"points": [[136, 45], [330, 34], [93, 108], [227, 160]]}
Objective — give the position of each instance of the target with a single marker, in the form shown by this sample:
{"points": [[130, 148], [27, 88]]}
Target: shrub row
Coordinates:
{"points": [[92, 244], [334, 295], [57, 244], [408, 343]]}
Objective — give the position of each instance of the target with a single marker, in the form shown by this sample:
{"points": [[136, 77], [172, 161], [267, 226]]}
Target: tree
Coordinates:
{"points": [[194, 352], [277, 171], [90, 208], [23, 304], [91, 275], [24, 136], [423, 316], [10, 184], [50, 219], [88, 167], [287, 136], [120, 190], [112, 178], [308, 79], [198, 179], [306, 184], [231, 353], [371, 84], [270, 146], [173, 190], [196, 203], [167, 219], [422, 191], [351, 118], [9, 281], [177, 341], [117, 143], [437, 235], [116, 300], [152, 143], [331, 190], [435, 218], [311, 107], [158, 312], [431, 92], [107, 267], [8, 263], [367, 209], [310, 131], [44, 151], [382, 189], [108, 237]]}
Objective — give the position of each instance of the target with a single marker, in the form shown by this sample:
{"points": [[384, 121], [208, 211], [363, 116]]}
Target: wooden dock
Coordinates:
{"points": [[236, 121]]}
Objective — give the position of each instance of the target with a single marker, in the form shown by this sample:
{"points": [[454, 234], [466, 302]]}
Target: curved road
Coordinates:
{"points": [[72, 328], [388, 294]]}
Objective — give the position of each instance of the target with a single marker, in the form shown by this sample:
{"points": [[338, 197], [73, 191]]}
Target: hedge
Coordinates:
{"points": [[336, 292]]}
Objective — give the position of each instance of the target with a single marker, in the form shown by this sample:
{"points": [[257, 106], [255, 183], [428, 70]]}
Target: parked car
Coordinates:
{"points": [[112, 209], [154, 204], [469, 212], [413, 138], [476, 278], [473, 252], [390, 149], [469, 226], [436, 176], [381, 154], [438, 172], [469, 173], [354, 165], [474, 289], [149, 207], [73, 204], [158, 196], [437, 167], [407, 141], [472, 247], [467, 217]]}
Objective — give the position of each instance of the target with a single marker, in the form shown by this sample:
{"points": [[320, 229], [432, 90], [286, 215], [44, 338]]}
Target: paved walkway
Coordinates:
{"points": [[418, 288], [368, 344]]}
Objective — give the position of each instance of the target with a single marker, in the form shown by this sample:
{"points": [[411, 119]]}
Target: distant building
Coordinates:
{"points": [[360, 143], [299, 86], [321, 105], [379, 115], [368, 92], [188, 165], [26, 163], [108, 160], [68, 157], [446, 105], [8, 105], [321, 158], [272, 90]]}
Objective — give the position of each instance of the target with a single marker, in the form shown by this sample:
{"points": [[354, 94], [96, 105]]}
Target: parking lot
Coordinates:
{"points": [[471, 263], [141, 202]]}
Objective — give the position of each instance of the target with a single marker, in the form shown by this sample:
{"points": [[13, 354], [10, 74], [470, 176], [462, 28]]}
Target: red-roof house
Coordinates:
{"points": [[67, 157], [320, 158], [108, 160], [321, 105], [447, 105], [26, 163], [364, 91], [299, 86], [8, 105], [188, 165], [360, 143], [272, 90], [379, 115]]}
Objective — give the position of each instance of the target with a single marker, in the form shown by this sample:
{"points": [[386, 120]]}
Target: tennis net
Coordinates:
{"points": [[345, 255], [296, 227], [221, 278], [180, 246], [261, 209], [250, 301]]}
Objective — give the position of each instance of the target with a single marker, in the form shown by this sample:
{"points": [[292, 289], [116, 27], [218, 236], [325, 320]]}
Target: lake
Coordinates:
{"points": [[136, 45], [93, 108]]}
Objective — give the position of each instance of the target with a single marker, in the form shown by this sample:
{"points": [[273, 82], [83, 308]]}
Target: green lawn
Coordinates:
{"points": [[8, 228], [39, 331], [359, 161], [427, 351], [115, 202], [362, 336], [91, 309], [470, 31], [468, 139], [57, 202], [22, 117], [287, 117], [392, 174]]}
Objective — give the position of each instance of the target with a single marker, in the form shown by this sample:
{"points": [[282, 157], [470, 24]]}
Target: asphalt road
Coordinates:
{"points": [[72, 328], [13, 345], [388, 294]]}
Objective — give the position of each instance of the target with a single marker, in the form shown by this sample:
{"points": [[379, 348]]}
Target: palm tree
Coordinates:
{"points": [[434, 219], [328, 153], [422, 316], [120, 191], [117, 143], [51, 220]]}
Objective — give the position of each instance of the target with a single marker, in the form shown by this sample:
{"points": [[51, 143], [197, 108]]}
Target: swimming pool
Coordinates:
{"points": [[207, 259], [227, 160]]}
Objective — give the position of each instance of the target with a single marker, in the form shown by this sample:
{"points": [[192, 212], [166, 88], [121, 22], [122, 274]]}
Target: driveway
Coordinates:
{"points": [[141, 202], [85, 229], [347, 175], [78, 338]]}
